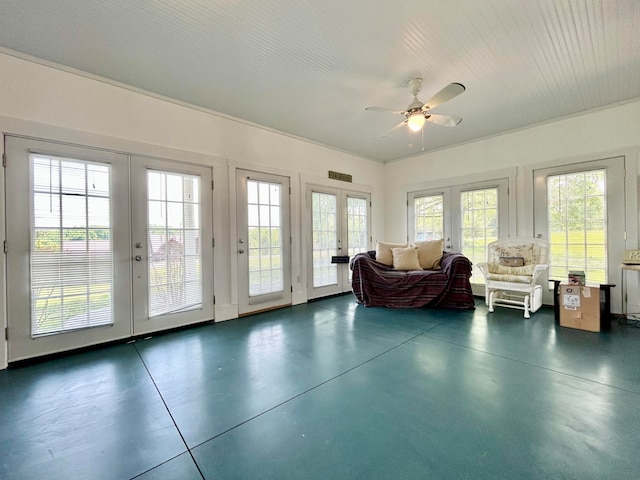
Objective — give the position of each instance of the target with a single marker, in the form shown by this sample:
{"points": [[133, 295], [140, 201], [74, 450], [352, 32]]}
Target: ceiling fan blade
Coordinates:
{"points": [[383, 109], [447, 93], [443, 120], [390, 132]]}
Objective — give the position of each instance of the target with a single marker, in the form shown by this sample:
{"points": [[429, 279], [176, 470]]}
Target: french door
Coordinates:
{"points": [[339, 224], [74, 276], [579, 210], [172, 240], [263, 241], [468, 217]]}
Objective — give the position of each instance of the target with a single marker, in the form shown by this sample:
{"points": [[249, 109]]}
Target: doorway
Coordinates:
{"points": [[263, 241], [468, 217], [339, 224], [85, 262]]}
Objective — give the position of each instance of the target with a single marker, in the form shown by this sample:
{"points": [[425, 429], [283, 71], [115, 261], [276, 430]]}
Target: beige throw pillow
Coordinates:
{"points": [[383, 252], [505, 270], [405, 258], [430, 254]]}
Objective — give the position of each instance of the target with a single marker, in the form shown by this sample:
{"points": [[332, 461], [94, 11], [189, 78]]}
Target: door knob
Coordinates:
{"points": [[241, 250], [138, 258]]}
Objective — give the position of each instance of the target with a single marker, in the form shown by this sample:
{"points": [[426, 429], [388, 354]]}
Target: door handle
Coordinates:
{"points": [[241, 250], [138, 258]]}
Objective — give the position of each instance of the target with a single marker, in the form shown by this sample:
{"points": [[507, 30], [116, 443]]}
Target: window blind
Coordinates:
{"points": [[71, 253]]}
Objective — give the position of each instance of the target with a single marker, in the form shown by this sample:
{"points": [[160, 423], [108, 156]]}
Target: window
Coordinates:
{"points": [[579, 208], [175, 280], [357, 221], [325, 236], [479, 212], [577, 205], [428, 217], [467, 217], [71, 248], [265, 234]]}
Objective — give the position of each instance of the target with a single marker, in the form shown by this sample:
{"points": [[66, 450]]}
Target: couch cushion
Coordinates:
{"points": [[430, 253], [405, 258], [505, 270], [509, 278], [383, 252]]}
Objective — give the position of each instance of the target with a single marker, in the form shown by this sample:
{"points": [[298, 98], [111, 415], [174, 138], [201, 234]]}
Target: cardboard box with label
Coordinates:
{"points": [[582, 307]]}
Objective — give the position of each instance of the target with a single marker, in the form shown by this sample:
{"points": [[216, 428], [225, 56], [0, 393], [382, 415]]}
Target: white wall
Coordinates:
{"points": [[591, 136], [45, 102]]}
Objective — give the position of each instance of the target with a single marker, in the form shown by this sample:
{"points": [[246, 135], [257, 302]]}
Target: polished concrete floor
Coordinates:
{"points": [[333, 390]]}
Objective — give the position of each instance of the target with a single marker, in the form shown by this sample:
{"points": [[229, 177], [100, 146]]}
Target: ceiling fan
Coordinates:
{"points": [[417, 112]]}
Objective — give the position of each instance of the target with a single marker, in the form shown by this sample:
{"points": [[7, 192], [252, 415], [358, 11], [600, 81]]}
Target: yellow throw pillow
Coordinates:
{"points": [[383, 252], [405, 258], [430, 254]]}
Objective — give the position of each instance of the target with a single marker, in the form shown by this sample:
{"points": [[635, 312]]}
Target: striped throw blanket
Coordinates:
{"points": [[377, 285]]}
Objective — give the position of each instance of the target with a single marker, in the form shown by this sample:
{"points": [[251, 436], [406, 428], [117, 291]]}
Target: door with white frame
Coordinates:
{"points": [[468, 217], [263, 241], [580, 211], [69, 257], [338, 225], [172, 243]]}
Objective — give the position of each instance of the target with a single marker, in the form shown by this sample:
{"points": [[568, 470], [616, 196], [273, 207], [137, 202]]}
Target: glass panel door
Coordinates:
{"points": [[75, 276], [468, 217], [172, 241], [480, 225], [580, 211], [577, 205], [357, 226], [263, 236], [324, 208], [339, 226], [68, 251]]}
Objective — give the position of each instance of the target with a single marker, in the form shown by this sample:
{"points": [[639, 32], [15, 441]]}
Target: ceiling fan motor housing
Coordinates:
{"points": [[415, 84]]}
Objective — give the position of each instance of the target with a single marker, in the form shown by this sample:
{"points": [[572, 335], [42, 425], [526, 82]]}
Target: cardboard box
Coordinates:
{"points": [[581, 307]]}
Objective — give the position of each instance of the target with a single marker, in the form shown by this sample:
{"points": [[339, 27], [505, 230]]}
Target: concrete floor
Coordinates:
{"points": [[333, 390]]}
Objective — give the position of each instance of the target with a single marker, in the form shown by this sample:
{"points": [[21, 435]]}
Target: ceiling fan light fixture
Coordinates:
{"points": [[415, 121]]}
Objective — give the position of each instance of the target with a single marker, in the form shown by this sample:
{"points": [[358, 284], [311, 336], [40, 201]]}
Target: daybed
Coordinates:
{"points": [[377, 284]]}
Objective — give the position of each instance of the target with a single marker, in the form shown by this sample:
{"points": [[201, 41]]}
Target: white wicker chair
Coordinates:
{"points": [[514, 286]]}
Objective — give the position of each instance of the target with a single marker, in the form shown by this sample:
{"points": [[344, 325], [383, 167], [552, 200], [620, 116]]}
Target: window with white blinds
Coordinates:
{"points": [[174, 243], [71, 252]]}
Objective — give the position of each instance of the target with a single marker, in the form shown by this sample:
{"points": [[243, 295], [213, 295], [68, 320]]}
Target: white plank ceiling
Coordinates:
{"points": [[309, 68]]}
